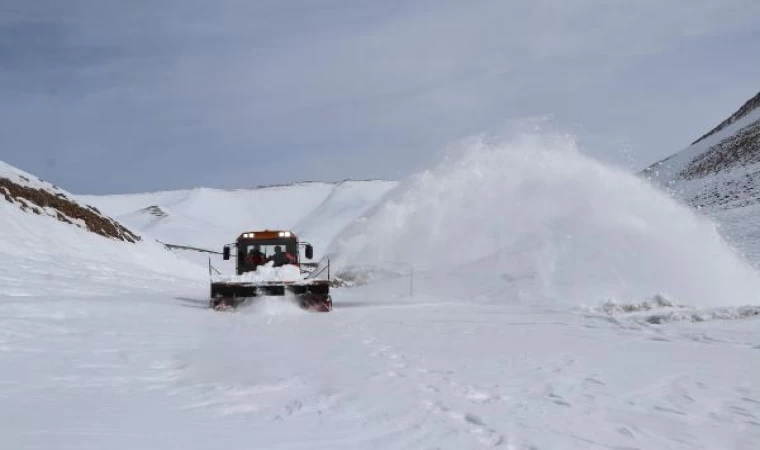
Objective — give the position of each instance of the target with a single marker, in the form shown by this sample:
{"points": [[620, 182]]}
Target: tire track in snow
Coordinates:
{"points": [[434, 386]]}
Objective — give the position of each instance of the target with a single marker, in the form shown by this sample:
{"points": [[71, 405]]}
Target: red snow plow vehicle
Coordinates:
{"points": [[268, 263]]}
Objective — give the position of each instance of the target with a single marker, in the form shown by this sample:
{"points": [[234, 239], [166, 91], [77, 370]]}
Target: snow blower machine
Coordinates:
{"points": [[268, 263]]}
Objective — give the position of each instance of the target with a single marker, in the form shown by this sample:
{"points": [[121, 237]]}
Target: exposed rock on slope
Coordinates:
{"points": [[35, 196], [720, 174], [155, 210], [741, 149], [722, 168]]}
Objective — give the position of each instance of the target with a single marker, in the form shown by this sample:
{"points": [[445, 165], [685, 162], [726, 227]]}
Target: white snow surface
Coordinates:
{"points": [[740, 227], [382, 371], [109, 345]]}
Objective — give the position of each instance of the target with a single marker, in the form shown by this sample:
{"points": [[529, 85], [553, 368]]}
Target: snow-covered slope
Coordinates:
{"points": [[210, 218], [720, 175], [50, 244], [36, 196], [717, 162], [346, 202]]}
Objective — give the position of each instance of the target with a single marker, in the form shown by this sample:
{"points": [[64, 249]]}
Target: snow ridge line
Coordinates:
{"points": [[749, 106]]}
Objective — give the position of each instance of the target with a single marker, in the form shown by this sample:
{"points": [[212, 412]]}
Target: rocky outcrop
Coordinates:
{"points": [[722, 168], [41, 201]]}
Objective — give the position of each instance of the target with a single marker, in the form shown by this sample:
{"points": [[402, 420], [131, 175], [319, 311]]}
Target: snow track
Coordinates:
{"points": [[165, 372]]}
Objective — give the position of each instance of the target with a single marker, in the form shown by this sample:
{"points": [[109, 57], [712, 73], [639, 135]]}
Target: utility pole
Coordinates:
{"points": [[411, 281]]}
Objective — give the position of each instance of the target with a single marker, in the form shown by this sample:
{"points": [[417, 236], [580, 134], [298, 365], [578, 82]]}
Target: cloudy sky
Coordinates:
{"points": [[107, 96]]}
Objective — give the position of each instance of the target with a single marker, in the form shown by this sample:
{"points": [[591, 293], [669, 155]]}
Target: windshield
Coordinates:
{"points": [[254, 253], [267, 250]]}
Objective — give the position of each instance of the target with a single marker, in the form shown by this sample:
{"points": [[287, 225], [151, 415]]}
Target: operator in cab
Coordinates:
{"points": [[281, 258], [255, 257]]}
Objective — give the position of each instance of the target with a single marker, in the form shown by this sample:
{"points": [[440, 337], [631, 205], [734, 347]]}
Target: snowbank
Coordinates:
{"points": [[659, 310], [532, 217]]}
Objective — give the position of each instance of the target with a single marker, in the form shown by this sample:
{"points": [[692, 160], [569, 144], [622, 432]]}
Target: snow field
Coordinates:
{"points": [[160, 371]]}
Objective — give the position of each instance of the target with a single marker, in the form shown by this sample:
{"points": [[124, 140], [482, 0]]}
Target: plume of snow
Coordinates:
{"points": [[534, 217]]}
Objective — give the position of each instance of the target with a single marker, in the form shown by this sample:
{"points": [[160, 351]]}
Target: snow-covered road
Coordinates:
{"points": [[163, 371]]}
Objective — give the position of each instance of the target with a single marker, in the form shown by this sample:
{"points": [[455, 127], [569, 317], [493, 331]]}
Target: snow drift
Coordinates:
{"points": [[532, 218]]}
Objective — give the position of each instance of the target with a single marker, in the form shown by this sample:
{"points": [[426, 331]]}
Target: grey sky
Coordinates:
{"points": [[102, 96]]}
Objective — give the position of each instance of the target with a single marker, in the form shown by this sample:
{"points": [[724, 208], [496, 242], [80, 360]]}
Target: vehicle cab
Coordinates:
{"points": [[256, 248]]}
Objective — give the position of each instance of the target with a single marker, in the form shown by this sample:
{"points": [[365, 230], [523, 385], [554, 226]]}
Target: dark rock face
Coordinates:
{"points": [[738, 150], [155, 210], [741, 149], [40, 201], [725, 175], [732, 193]]}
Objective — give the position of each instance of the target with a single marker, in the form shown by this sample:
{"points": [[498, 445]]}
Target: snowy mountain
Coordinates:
{"points": [[211, 218], [52, 244], [720, 174], [720, 169]]}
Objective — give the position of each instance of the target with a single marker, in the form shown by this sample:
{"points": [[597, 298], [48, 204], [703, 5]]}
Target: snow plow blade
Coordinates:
{"points": [[313, 296]]}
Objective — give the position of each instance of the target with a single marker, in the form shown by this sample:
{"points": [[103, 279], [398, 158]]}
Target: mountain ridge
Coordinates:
{"points": [[721, 169], [745, 109]]}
